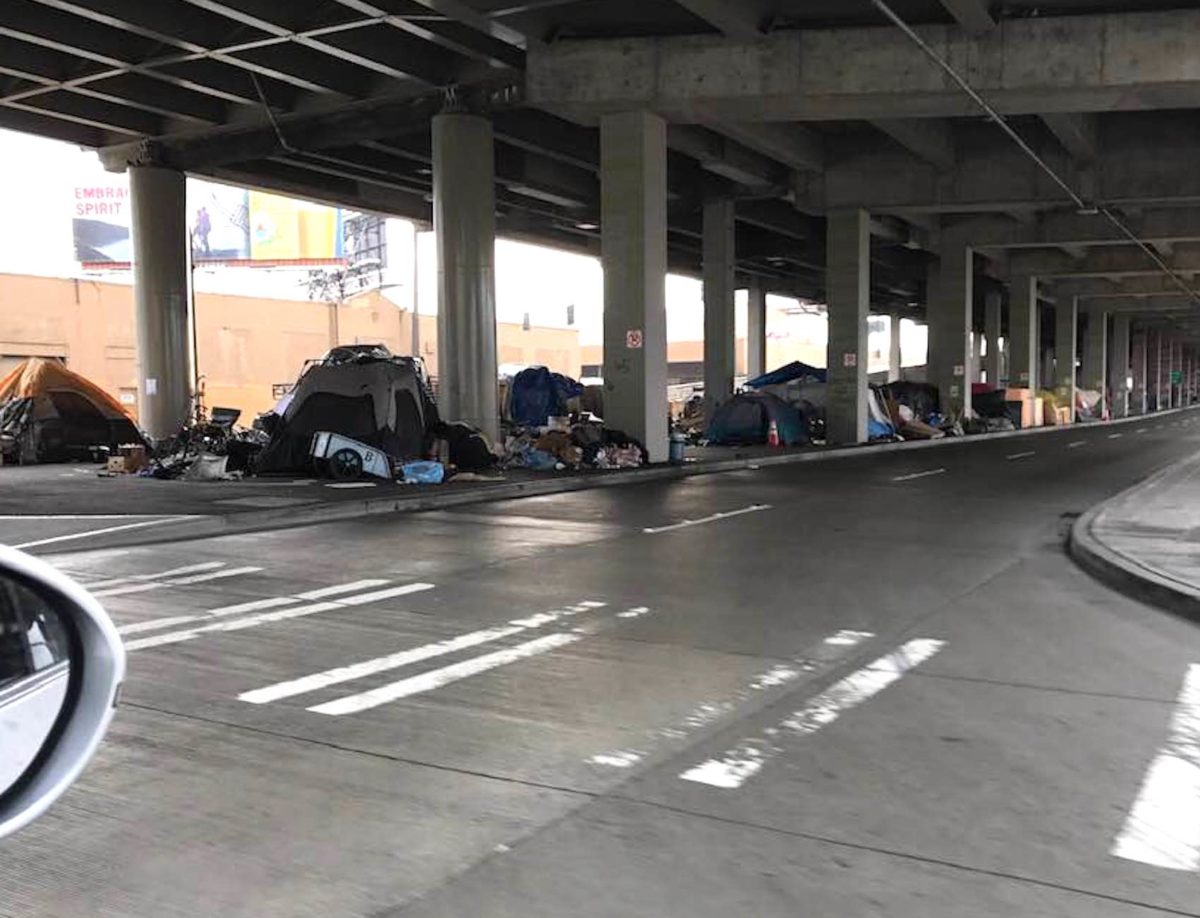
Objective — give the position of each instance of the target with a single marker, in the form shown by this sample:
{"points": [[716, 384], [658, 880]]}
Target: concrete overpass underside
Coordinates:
{"points": [[805, 147]]}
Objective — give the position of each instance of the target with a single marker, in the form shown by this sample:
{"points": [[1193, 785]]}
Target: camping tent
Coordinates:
{"points": [[746, 419], [48, 413], [382, 401], [536, 394]]}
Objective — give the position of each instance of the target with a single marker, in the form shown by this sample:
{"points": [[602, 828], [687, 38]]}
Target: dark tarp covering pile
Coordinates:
{"points": [[536, 395], [789, 373], [375, 398], [48, 413], [746, 419]]}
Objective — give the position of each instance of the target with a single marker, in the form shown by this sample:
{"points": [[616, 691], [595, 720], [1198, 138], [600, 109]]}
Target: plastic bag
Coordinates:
{"points": [[423, 472]]}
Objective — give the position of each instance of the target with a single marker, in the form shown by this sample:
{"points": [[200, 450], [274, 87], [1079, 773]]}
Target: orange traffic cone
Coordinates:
{"points": [[773, 434]]}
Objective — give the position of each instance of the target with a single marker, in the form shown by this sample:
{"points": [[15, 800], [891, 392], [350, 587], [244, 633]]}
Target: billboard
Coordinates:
{"points": [[224, 223]]}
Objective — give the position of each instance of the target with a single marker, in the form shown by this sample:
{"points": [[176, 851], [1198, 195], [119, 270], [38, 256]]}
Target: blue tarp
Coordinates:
{"points": [[785, 374], [746, 419], [537, 395]]}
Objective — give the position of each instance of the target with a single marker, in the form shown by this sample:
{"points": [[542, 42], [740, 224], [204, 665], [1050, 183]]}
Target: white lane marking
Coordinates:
{"points": [[1140, 430], [744, 760], [716, 517], [1077, 444], [177, 581], [105, 531], [916, 475], [427, 682], [350, 485], [141, 578], [404, 658], [254, 605], [1016, 456], [74, 517], [1115, 436], [264, 618], [819, 658], [1163, 828]]}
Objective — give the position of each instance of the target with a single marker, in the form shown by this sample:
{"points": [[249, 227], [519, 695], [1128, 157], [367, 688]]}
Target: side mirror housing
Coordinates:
{"points": [[61, 668]]}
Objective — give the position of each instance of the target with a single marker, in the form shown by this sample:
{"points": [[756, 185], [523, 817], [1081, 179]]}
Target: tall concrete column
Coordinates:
{"points": [[1154, 370], [1138, 369], [1119, 368], [895, 353], [464, 221], [1169, 368], [992, 321], [848, 291], [950, 306], [1095, 358], [1023, 356], [633, 209], [756, 330], [165, 374], [1065, 349], [720, 333]]}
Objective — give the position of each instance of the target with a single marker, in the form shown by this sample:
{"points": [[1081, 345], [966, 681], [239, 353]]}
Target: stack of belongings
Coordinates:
{"points": [[913, 410], [362, 392], [992, 411]]}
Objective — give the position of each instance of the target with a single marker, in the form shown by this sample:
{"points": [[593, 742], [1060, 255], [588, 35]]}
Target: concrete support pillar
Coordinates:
{"points": [[1138, 369], [951, 303], [165, 372], [1154, 370], [1169, 368], [720, 333], [992, 323], [848, 291], [895, 354], [464, 221], [1119, 368], [1095, 358], [1023, 320], [756, 330], [633, 208], [1065, 349]]}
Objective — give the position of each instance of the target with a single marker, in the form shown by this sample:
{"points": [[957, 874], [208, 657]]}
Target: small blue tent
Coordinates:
{"points": [[537, 394]]}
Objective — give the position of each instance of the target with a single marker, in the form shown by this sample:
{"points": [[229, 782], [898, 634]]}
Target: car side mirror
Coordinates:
{"points": [[61, 667]]}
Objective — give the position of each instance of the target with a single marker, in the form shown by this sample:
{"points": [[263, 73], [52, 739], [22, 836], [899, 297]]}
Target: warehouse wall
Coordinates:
{"points": [[247, 345]]}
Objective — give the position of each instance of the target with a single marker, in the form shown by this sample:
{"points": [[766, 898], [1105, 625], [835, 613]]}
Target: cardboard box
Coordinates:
{"points": [[1030, 407], [116, 465], [134, 455]]}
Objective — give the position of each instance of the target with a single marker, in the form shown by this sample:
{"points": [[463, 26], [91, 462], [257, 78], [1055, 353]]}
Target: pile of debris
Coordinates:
{"points": [[550, 425]]}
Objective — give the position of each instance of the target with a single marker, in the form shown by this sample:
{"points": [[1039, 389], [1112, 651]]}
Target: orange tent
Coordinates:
{"points": [[48, 412]]}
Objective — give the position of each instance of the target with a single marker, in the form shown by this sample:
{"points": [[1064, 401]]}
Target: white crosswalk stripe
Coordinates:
{"points": [[278, 615], [408, 657], [1163, 828], [176, 581], [744, 760]]}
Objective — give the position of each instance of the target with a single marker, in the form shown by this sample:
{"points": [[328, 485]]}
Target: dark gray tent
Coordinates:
{"points": [[382, 401]]}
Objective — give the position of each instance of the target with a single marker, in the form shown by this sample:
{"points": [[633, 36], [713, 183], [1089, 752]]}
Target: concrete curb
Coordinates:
{"points": [[328, 512], [1124, 574]]}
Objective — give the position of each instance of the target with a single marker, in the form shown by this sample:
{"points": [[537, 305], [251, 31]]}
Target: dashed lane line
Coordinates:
{"points": [[1077, 444], [716, 517], [1016, 456], [916, 475], [106, 530], [748, 757]]}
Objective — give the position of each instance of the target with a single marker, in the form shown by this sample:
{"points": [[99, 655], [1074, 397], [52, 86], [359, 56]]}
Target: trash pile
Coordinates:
{"points": [[212, 448], [548, 427]]}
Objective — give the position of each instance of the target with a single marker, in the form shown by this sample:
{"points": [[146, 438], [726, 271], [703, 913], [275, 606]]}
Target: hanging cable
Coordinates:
{"points": [[1083, 206]]}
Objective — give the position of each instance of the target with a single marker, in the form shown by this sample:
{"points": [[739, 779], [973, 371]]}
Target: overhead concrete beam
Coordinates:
{"points": [[726, 158], [929, 139], [1104, 261], [1117, 62], [1078, 134], [1103, 289], [795, 146], [1066, 227], [1151, 163], [734, 18], [972, 15]]}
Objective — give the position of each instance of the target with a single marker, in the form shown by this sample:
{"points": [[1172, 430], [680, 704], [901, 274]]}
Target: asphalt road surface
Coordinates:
{"points": [[867, 687]]}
